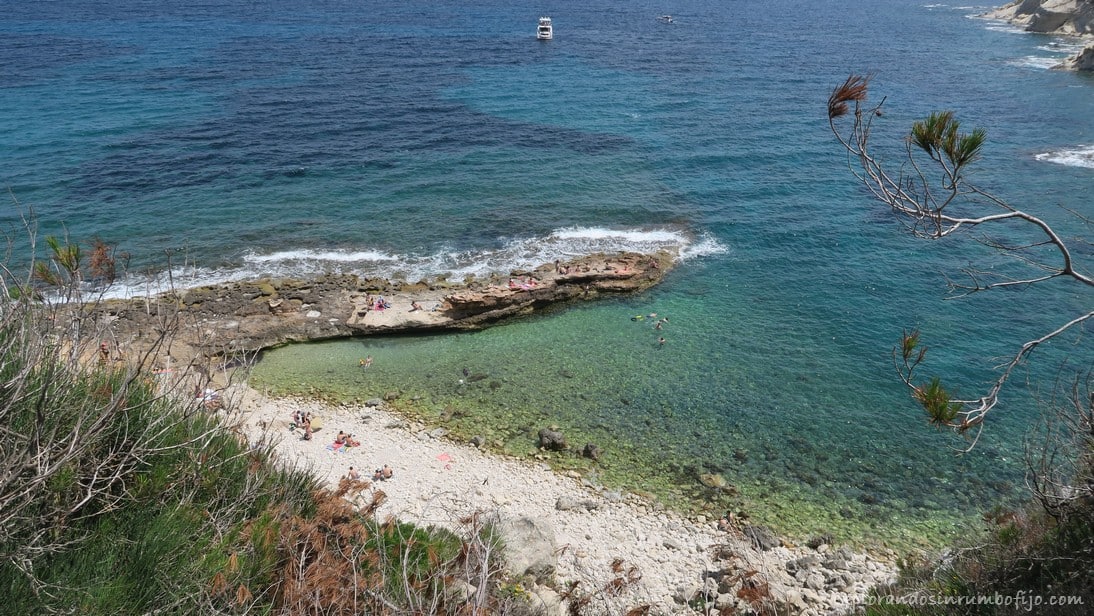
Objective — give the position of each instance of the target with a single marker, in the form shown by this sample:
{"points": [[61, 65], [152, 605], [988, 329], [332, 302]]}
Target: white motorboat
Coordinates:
{"points": [[545, 31]]}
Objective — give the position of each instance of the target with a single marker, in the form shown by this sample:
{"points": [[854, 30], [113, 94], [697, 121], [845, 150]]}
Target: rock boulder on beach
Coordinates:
{"points": [[529, 547]]}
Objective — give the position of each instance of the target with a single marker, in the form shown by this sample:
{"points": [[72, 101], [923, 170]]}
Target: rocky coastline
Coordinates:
{"points": [[1062, 17], [231, 322], [562, 529]]}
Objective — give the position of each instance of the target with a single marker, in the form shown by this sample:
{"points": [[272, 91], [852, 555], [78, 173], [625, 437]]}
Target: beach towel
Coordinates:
{"points": [[337, 447], [447, 459]]}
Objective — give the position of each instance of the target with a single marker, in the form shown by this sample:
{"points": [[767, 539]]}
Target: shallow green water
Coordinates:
{"points": [[806, 446]]}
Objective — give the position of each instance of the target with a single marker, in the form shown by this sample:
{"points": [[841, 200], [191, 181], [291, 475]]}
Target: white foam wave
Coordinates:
{"points": [[135, 284], [702, 247], [315, 255], [612, 236], [1041, 62], [1081, 156], [1066, 48], [1002, 26], [510, 254]]}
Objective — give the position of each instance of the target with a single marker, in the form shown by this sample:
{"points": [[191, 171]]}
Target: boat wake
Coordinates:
{"points": [[511, 254]]}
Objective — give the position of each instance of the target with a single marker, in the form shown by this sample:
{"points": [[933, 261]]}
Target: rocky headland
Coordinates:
{"points": [[1063, 17], [233, 321]]}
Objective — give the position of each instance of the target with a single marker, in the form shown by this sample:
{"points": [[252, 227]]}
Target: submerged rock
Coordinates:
{"points": [[716, 481], [591, 451], [552, 440]]}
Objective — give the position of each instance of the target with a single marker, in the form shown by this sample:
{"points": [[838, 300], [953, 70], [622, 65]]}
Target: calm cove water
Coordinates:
{"points": [[412, 139]]}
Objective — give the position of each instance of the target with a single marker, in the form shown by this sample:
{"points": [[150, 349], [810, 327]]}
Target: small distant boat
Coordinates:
{"points": [[665, 19], [545, 31]]}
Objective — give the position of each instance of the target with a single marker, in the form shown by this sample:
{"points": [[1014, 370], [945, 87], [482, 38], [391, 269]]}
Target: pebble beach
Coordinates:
{"points": [[683, 563]]}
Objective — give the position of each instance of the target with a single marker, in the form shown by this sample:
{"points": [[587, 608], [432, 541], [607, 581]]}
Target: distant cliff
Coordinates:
{"points": [[1066, 17]]}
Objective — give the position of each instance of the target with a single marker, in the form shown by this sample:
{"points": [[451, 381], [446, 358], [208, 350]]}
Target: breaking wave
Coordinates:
{"points": [[1041, 62], [1081, 156], [511, 254]]}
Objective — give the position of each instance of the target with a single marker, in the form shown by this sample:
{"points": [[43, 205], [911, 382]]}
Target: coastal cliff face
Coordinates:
{"points": [[1065, 17], [1071, 17]]}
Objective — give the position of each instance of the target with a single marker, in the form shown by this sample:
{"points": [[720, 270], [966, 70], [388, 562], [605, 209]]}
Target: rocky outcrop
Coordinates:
{"points": [[1082, 61], [1064, 17], [242, 318], [1068, 17]]}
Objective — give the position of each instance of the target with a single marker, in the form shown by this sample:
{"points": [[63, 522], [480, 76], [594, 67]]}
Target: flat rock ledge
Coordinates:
{"points": [[239, 319]]}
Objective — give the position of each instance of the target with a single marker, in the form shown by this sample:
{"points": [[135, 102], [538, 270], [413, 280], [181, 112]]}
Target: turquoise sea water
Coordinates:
{"points": [[415, 139]]}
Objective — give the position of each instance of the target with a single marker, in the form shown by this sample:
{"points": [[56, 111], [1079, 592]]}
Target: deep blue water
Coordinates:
{"points": [[412, 139]]}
